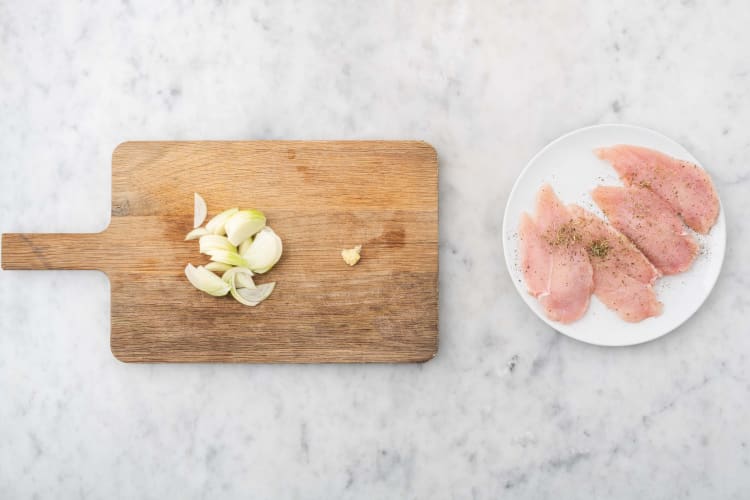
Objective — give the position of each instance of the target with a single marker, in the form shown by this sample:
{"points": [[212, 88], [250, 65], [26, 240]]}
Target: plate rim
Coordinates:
{"points": [[520, 288]]}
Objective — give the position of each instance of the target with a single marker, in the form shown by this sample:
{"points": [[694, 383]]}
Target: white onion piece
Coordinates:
{"points": [[244, 245], [242, 276], [199, 210], [215, 242], [231, 258], [216, 225], [196, 233], [264, 252], [243, 225], [218, 267], [252, 296], [244, 281], [206, 281]]}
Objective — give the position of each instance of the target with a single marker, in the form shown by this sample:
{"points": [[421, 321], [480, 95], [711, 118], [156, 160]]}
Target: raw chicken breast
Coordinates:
{"points": [[623, 276], [535, 257], [555, 265], [651, 224], [684, 185]]}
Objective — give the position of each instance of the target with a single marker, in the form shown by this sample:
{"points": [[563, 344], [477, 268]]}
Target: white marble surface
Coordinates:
{"points": [[508, 408]]}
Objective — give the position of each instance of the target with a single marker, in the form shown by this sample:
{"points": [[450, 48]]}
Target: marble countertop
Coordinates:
{"points": [[509, 407]]}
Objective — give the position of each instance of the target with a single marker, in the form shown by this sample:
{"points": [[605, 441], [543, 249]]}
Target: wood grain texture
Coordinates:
{"points": [[320, 197]]}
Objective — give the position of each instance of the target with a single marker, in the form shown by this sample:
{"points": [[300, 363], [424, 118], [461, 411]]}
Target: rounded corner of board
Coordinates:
{"points": [[430, 148], [121, 146], [119, 355], [428, 356]]}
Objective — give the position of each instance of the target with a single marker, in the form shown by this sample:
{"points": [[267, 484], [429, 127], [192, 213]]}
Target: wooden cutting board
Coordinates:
{"points": [[320, 197]]}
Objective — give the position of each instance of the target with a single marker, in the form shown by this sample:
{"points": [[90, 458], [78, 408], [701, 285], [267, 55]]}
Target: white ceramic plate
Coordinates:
{"points": [[571, 168]]}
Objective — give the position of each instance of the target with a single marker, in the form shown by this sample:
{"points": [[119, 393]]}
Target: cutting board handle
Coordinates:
{"points": [[53, 251]]}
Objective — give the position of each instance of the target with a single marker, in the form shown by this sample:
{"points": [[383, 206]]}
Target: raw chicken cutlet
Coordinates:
{"points": [[623, 276], [650, 223], [555, 265], [686, 187]]}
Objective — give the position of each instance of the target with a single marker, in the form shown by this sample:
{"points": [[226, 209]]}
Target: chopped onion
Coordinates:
{"points": [[242, 276], [206, 281], [244, 246], [251, 296], [244, 224], [218, 267], [264, 252], [215, 242], [216, 225], [238, 243], [244, 280], [199, 210], [231, 258], [237, 278], [196, 233]]}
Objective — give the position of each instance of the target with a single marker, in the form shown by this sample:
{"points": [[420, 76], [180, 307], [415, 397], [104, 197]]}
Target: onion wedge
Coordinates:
{"points": [[231, 258], [246, 295], [196, 233], [243, 225], [199, 210], [216, 225], [215, 242], [252, 296], [242, 277], [206, 281], [264, 252], [218, 267], [244, 246]]}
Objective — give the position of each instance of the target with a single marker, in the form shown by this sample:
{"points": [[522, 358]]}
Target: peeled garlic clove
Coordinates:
{"points": [[264, 252], [216, 225], [199, 210], [215, 242], [218, 267], [231, 258], [252, 296], [244, 224], [351, 255], [206, 281], [244, 246], [196, 233]]}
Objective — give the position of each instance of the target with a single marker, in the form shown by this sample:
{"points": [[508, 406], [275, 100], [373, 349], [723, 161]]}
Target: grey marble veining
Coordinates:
{"points": [[509, 408]]}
